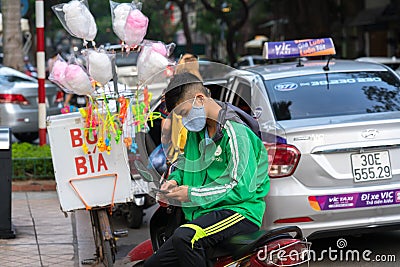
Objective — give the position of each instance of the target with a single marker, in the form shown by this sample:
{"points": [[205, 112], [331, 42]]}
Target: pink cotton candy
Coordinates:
{"points": [[135, 27], [57, 74], [159, 48], [77, 80], [58, 71]]}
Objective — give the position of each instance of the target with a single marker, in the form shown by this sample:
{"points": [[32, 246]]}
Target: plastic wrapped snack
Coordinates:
{"points": [[150, 64], [57, 74], [153, 61], [77, 80], [77, 19], [119, 13], [100, 66], [129, 23], [135, 27]]}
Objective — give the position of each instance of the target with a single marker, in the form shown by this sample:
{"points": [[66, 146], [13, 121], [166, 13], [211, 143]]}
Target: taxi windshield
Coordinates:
{"points": [[334, 94]]}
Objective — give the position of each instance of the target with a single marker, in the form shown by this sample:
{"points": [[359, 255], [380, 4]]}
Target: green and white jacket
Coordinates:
{"points": [[229, 171]]}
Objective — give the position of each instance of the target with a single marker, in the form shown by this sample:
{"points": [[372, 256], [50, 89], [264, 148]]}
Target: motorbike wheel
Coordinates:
{"points": [[134, 217]]}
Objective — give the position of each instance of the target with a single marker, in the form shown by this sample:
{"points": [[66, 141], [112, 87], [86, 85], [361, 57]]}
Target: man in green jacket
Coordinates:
{"points": [[221, 180]]}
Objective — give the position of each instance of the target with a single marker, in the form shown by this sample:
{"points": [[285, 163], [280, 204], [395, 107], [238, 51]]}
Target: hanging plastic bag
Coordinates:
{"points": [[153, 61], [135, 27], [119, 13], [77, 80], [129, 23], [100, 66], [77, 19], [57, 74]]}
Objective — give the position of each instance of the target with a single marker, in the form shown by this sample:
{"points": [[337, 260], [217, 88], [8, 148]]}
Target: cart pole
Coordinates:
{"points": [[40, 59]]}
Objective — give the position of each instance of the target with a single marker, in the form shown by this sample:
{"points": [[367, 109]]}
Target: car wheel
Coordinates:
{"points": [[27, 137], [134, 217]]}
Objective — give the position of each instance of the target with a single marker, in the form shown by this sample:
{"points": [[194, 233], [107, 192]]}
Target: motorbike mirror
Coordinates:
{"points": [[143, 171]]}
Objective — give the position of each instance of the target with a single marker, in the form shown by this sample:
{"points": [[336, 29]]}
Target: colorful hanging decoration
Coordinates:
{"points": [[111, 116]]}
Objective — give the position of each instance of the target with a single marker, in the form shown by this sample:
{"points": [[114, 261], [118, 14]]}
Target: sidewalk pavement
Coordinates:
{"points": [[44, 236]]}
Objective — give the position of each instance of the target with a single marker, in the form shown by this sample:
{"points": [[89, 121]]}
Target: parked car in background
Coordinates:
{"points": [[250, 61], [391, 62], [19, 103], [333, 167]]}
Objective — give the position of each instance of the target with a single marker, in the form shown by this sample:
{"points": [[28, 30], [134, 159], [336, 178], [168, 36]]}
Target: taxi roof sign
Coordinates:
{"points": [[299, 48]]}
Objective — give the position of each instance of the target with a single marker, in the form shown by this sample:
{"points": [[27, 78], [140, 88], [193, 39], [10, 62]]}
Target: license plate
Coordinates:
{"points": [[371, 166]]}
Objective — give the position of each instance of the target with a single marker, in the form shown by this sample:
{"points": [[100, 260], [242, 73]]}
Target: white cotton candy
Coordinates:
{"points": [[79, 20], [120, 14], [151, 65], [100, 68], [77, 80]]}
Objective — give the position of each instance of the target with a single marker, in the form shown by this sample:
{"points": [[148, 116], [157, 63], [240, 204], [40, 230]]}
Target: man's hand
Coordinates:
{"points": [[179, 193], [168, 185]]}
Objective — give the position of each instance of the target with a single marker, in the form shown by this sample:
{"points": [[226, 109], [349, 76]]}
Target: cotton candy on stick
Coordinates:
{"points": [[100, 67], [135, 27], [150, 63], [121, 13], [77, 80], [57, 74], [160, 48], [79, 20]]}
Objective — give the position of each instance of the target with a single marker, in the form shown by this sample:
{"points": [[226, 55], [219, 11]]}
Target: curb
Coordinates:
{"points": [[33, 185]]}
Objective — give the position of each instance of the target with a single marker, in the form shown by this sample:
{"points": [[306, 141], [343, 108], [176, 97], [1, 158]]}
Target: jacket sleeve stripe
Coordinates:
{"points": [[234, 149]]}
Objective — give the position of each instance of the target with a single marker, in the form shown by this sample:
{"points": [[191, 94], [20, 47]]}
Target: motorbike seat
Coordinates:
{"points": [[240, 245]]}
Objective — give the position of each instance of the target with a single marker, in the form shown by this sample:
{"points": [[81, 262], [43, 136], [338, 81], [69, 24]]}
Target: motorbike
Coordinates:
{"points": [[284, 246], [133, 211]]}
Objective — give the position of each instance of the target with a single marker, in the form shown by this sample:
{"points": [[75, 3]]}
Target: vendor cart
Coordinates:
{"points": [[88, 178]]}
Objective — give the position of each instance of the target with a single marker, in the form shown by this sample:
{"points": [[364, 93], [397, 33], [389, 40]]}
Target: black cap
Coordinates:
{"points": [[182, 79]]}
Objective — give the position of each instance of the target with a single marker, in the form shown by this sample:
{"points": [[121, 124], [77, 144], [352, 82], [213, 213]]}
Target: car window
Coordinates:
{"points": [[243, 63], [242, 97], [259, 61], [334, 94], [12, 79], [126, 59]]}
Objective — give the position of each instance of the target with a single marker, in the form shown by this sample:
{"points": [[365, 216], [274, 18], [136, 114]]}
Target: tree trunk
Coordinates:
{"points": [[12, 35], [233, 26], [186, 29]]}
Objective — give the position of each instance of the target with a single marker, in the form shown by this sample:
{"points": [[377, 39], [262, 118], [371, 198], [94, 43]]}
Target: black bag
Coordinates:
{"points": [[247, 119]]}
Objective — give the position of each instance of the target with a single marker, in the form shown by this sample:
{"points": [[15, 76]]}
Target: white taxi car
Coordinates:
{"points": [[333, 131]]}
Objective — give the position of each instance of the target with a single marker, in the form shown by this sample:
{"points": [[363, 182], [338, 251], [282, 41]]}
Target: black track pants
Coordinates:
{"points": [[186, 247]]}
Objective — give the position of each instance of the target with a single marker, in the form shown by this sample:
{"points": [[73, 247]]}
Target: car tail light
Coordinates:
{"points": [[282, 159], [59, 97], [282, 252], [13, 99], [294, 220]]}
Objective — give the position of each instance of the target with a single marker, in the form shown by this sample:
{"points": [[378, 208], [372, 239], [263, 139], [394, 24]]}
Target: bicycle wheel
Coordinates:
{"points": [[107, 239], [96, 233], [108, 255]]}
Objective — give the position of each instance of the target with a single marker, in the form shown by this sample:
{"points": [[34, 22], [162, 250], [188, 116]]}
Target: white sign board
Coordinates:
{"points": [[86, 180]]}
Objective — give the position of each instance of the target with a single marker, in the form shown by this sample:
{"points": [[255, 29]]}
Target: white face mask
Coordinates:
{"points": [[195, 119]]}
